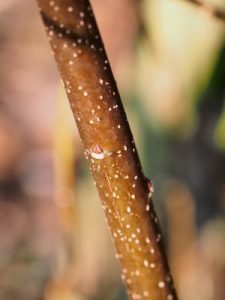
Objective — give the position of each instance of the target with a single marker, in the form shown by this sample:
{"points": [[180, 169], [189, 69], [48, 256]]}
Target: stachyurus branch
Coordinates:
{"points": [[109, 147], [213, 11]]}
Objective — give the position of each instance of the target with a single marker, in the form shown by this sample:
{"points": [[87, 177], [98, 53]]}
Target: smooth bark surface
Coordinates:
{"points": [[125, 193]]}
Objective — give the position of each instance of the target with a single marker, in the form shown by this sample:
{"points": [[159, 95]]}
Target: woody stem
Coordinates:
{"points": [[109, 147]]}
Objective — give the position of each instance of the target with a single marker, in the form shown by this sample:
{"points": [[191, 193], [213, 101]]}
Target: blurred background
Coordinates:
{"points": [[168, 57]]}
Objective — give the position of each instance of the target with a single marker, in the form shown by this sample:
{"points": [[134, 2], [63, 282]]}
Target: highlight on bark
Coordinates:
{"points": [[125, 193], [213, 11]]}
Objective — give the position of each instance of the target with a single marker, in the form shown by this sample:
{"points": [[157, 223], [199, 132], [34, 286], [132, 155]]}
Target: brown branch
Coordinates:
{"points": [[109, 147], [213, 11]]}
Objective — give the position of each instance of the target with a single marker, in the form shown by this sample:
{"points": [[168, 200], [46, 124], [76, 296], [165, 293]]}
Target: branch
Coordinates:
{"points": [[213, 11], [109, 147]]}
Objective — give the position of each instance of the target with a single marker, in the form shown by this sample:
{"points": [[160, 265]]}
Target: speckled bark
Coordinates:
{"points": [[109, 147]]}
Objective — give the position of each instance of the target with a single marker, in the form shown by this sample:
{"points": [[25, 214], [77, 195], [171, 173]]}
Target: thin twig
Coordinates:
{"points": [[109, 147], [213, 11]]}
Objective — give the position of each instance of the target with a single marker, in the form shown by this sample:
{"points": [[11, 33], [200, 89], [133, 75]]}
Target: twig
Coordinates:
{"points": [[109, 147], [213, 11]]}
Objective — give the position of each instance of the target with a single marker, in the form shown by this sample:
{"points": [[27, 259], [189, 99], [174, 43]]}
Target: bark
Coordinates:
{"points": [[109, 147]]}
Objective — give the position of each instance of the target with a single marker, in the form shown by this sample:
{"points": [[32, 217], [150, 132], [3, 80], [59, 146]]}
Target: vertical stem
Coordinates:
{"points": [[109, 147]]}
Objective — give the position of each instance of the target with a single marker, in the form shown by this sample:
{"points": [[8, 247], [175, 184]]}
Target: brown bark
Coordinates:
{"points": [[109, 147]]}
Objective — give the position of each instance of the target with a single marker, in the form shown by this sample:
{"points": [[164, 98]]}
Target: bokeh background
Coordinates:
{"points": [[168, 57]]}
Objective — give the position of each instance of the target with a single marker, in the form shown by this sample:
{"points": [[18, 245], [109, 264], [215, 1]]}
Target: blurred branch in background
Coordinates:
{"points": [[187, 261], [66, 154], [210, 9]]}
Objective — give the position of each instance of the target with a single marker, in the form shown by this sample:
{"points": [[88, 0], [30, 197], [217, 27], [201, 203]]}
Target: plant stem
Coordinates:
{"points": [[109, 147]]}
